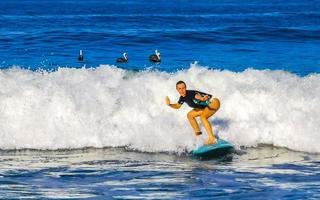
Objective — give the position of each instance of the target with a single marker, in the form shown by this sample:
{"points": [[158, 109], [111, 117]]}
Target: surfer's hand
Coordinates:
{"points": [[201, 98], [205, 97], [167, 100]]}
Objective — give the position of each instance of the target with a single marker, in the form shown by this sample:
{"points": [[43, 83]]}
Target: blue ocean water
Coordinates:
{"points": [[96, 129], [260, 173], [219, 34]]}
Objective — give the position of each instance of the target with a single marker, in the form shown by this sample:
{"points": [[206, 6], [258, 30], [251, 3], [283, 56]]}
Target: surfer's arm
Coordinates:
{"points": [[174, 105]]}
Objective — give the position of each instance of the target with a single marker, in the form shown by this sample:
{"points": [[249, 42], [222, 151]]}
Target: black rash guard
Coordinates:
{"points": [[192, 101]]}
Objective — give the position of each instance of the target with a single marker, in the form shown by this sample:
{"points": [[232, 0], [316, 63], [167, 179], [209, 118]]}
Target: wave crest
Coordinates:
{"points": [[112, 107]]}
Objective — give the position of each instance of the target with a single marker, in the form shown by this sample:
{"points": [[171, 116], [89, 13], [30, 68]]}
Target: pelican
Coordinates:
{"points": [[124, 59], [80, 58], [155, 57]]}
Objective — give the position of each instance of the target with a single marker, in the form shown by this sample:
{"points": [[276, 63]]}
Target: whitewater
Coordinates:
{"points": [[112, 107]]}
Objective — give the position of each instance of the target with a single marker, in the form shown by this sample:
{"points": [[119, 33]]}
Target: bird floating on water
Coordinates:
{"points": [[155, 57], [124, 59], [80, 57]]}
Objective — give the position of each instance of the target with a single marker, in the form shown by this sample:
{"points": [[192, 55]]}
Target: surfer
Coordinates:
{"points": [[203, 107]]}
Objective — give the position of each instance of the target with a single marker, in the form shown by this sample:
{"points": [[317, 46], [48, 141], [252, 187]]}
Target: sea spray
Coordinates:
{"points": [[111, 107]]}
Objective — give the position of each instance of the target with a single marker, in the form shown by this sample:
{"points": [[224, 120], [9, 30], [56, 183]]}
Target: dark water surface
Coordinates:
{"points": [[256, 173]]}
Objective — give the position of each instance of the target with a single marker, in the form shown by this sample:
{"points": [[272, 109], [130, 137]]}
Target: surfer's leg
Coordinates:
{"points": [[214, 106], [208, 112], [208, 127], [192, 119]]}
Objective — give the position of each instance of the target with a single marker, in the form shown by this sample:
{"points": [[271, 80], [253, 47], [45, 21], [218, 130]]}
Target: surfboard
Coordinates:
{"points": [[220, 148]]}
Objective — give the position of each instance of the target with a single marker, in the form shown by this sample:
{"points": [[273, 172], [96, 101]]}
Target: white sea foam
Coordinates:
{"points": [[111, 107]]}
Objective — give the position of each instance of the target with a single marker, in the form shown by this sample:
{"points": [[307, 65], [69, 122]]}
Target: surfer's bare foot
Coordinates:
{"points": [[210, 141]]}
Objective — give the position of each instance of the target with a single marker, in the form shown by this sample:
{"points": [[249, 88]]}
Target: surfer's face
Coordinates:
{"points": [[181, 88]]}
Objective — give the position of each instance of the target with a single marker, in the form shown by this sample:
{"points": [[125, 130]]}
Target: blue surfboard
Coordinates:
{"points": [[221, 147]]}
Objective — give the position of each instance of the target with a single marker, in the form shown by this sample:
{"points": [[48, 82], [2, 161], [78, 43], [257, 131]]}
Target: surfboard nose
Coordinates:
{"points": [[220, 148]]}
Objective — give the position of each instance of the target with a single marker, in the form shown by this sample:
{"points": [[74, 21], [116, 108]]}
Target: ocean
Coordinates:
{"points": [[98, 129]]}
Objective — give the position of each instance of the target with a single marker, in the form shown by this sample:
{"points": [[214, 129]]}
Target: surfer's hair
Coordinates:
{"points": [[179, 82]]}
